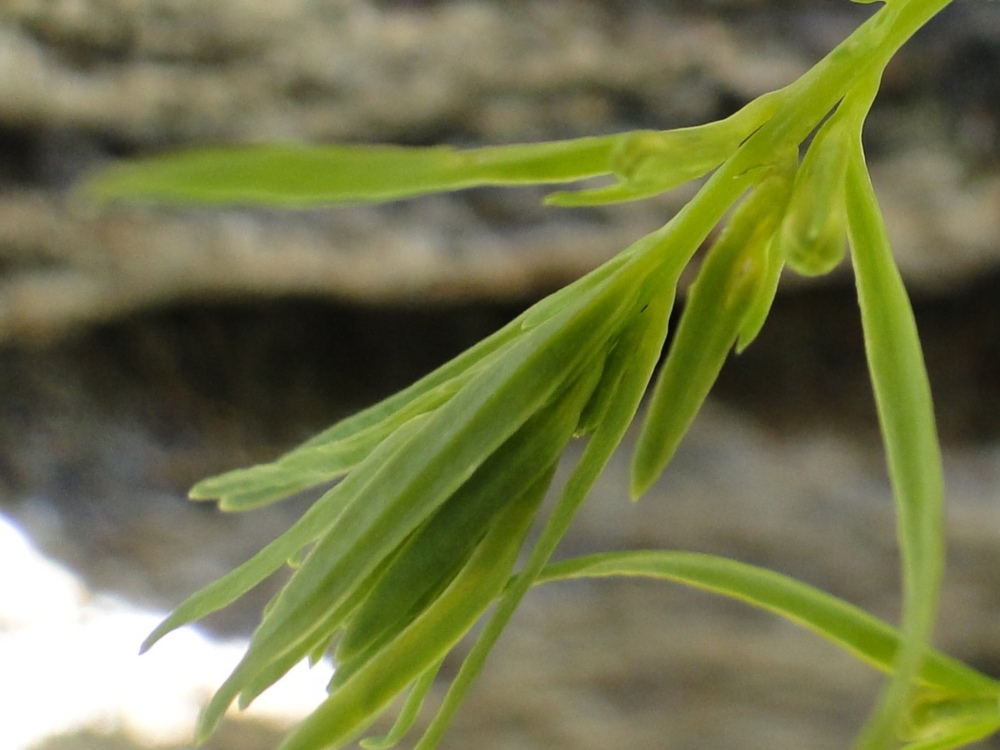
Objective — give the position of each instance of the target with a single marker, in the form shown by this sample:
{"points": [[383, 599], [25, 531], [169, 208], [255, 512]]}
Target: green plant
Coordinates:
{"points": [[441, 482]]}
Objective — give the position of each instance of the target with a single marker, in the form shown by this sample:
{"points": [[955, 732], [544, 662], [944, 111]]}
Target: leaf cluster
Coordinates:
{"points": [[437, 487]]}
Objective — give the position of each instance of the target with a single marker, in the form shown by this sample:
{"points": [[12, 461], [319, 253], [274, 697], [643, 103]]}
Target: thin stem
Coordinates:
{"points": [[804, 104], [906, 417]]}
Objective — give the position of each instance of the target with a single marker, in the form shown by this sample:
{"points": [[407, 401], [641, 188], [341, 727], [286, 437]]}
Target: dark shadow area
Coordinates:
{"points": [[808, 366], [109, 429]]}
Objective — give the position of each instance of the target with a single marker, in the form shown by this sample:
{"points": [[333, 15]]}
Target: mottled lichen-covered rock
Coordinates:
{"points": [[87, 81]]}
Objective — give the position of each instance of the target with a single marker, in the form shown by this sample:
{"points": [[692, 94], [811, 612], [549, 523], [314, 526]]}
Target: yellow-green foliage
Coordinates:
{"points": [[440, 483]]}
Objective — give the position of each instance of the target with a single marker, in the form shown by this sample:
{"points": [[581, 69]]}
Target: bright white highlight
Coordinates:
{"points": [[70, 662]]}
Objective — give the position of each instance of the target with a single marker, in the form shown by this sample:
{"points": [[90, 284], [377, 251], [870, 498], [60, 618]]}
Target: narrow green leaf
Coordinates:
{"points": [[412, 483], [760, 306], [299, 175], [352, 708], [639, 344], [338, 448], [906, 417], [318, 645], [961, 737], [813, 234], [317, 462], [409, 713], [719, 300], [230, 587], [839, 622], [435, 554], [653, 318], [269, 674], [572, 294]]}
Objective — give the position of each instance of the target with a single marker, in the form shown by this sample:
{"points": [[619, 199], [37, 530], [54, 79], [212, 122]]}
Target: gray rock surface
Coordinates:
{"points": [[86, 81], [142, 349]]}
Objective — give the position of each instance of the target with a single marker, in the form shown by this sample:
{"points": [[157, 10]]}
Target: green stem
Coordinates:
{"points": [[906, 418], [803, 106], [868, 49]]}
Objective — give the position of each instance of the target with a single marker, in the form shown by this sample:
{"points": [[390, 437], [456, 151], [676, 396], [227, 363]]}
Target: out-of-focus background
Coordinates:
{"points": [[144, 348]]}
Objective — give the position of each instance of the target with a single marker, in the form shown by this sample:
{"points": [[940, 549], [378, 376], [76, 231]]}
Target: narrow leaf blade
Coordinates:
{"points": [[300, 175], [909, 433], [850, 627]]}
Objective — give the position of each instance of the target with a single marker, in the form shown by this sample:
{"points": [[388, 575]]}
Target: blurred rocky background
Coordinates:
{"points": [[142, 348]]}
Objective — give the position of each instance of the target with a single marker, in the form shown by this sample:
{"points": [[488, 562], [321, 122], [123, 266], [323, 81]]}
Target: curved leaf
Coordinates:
{"points": [[724, 292], [434, 554], [337, 449], [408, 714], [633, 360], [230, 587], [906, 420], [411, 484], [813, 234], [352, 708], [850, 627]]}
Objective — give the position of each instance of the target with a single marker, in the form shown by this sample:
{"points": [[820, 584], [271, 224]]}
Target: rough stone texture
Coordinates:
{"points": [[141, 349], [103, 433], [85, 81]]}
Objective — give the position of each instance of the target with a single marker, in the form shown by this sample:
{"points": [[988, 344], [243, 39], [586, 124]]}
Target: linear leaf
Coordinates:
{"points": [[313, 649], [301, 175], [408, 714], [336, 449], [634, 360], [437, 552], [813, 234], [760, 306], [412, 483], [850, 627], [906, 418], [315, 462], [961, 737], [351, 708], [724, 292], [230, 587]]}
